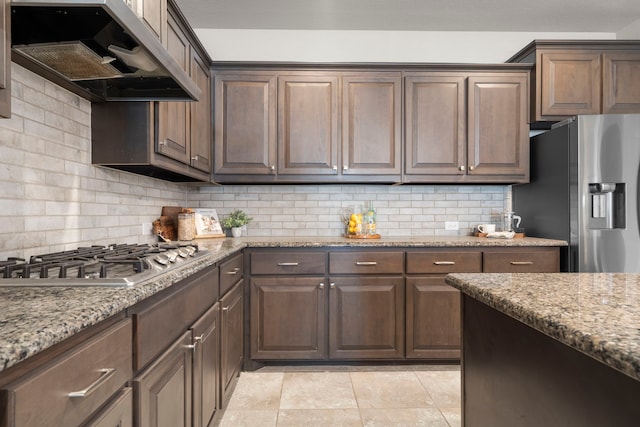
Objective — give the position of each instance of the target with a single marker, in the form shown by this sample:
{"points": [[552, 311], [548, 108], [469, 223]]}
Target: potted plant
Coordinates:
{"points": [[234, 221]]}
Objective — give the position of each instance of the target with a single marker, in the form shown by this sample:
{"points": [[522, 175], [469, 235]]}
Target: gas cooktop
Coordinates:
{"points": [[111, 265]]}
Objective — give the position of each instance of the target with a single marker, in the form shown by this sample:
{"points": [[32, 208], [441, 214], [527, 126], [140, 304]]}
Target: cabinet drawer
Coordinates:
{"points": [[545, 261], [230, 272], [363, 262], [444, 262], [159, 322], [280, 262], [92, 372]]}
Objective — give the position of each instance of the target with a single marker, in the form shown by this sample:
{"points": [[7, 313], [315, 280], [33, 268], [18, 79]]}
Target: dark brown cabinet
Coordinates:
{"points": [[163, 390], [206, 366], [244, 124], [118, 413], [231, 337], [307, 126], [521, 260], [5, 58], [170, 140], [433, 307], [582, 77], [466, 127]]}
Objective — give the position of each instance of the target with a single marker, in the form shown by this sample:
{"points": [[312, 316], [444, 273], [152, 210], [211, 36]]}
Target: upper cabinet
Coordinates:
{"points": [[5, 58], [582, 77], [466, 127], [170, 140]]}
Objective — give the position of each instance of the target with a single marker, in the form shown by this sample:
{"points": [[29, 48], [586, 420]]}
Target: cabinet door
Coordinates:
{"points": [[200, 116], [118, 413], [154, 14], [308, 125], [173, 117], [206, 366], [371, 124], [433, 319], [568, 84], [435, 125], [163, 391], [232, 330], [620, 83], [366, 317], [245, 124], [288, 318], [498, 132], [5, 58]]}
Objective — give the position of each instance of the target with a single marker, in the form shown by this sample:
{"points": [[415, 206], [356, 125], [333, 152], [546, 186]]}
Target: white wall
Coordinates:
{"points": [[372, 46]]}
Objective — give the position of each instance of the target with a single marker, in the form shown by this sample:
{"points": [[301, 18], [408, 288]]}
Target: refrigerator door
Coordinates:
{"points": [[608, 183]]}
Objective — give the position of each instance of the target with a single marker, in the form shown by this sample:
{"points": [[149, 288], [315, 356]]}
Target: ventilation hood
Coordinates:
{"points": [[99, 49]]}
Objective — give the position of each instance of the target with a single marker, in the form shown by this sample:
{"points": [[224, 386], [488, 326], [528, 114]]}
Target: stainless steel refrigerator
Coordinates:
{"points": [[585, 179]]}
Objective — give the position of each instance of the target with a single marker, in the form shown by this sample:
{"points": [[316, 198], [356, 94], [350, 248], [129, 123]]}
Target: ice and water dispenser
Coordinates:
{"points": [[607, 205]]}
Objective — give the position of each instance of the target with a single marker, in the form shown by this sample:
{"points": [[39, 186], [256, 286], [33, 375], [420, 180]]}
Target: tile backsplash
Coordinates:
{"points": [[53, 199], [314, 210]]}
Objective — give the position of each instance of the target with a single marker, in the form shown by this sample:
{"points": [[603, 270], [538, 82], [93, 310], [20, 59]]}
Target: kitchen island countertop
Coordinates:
{"points": [[597, 314], [33, 319]]}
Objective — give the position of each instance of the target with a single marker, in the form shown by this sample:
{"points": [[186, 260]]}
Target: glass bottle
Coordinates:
{"points": [[370, 220]]}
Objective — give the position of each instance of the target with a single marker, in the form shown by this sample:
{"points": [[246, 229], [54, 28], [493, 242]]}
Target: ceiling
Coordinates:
{"points": [[609, 16]]}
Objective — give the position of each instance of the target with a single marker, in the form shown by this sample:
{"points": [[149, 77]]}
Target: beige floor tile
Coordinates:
{"points": [[453, 416], [443, 386], [389, 390], [406, 417], [317, 390], [320, 417], [249, 418], [257, 391]]}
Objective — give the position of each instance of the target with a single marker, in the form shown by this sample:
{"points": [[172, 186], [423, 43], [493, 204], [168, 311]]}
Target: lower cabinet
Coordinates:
{"points": [[232, 331], [119, 413], [206, 366], [163, 390]]}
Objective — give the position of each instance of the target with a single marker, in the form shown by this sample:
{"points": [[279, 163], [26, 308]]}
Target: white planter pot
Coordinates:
{"points": [[236, 231]]}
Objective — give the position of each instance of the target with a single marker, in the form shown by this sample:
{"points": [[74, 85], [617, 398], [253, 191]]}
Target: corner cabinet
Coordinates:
{"points": [[466, 127], [582, 77], [170, 140]]}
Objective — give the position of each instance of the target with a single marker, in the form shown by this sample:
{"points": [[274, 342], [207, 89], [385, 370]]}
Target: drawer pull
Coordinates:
{"points": [[521, 262], [234, 272], [332, 285], [287, 264], [444, 262], [366, 263], [321, 286], [107, 373]]}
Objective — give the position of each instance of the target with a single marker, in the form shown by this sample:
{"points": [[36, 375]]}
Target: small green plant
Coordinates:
{"points": [[235, 219]]}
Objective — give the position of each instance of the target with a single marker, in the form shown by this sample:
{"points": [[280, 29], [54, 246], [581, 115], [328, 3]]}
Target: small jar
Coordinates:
{"points": [[186, 226]]}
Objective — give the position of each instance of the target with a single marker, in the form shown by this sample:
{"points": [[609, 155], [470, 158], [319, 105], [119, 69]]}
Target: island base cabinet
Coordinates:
{"points": [[513, 375], [119, 413], [433, 319], [163, 391], [366, 318], [288, 318]]}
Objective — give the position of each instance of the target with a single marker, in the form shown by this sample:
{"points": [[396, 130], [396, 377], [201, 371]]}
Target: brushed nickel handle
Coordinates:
{"points": [[521, 262], [444, 262], [366, 263], [471, 168], [195, 343], [345, 168], [198, 338], [107, 373], [234, 272], [195, 158], [462, 168], [334, 167], [272, 168], [225, 308], [332, 285], [287, 264], [321, 286]]}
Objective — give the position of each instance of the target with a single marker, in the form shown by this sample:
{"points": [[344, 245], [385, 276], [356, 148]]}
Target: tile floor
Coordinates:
{"points": [[346, 396]]}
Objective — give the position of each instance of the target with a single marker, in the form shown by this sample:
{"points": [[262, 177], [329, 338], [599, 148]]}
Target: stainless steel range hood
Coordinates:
{"points": [[99, 49]]}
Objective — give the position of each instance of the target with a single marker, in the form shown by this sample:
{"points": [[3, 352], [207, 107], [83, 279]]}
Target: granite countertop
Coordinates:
{"points": [[595, 313], [35, 318]]}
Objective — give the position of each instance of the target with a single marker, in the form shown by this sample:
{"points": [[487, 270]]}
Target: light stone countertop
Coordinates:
{"points": [[597, 314], [33, 319]]}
